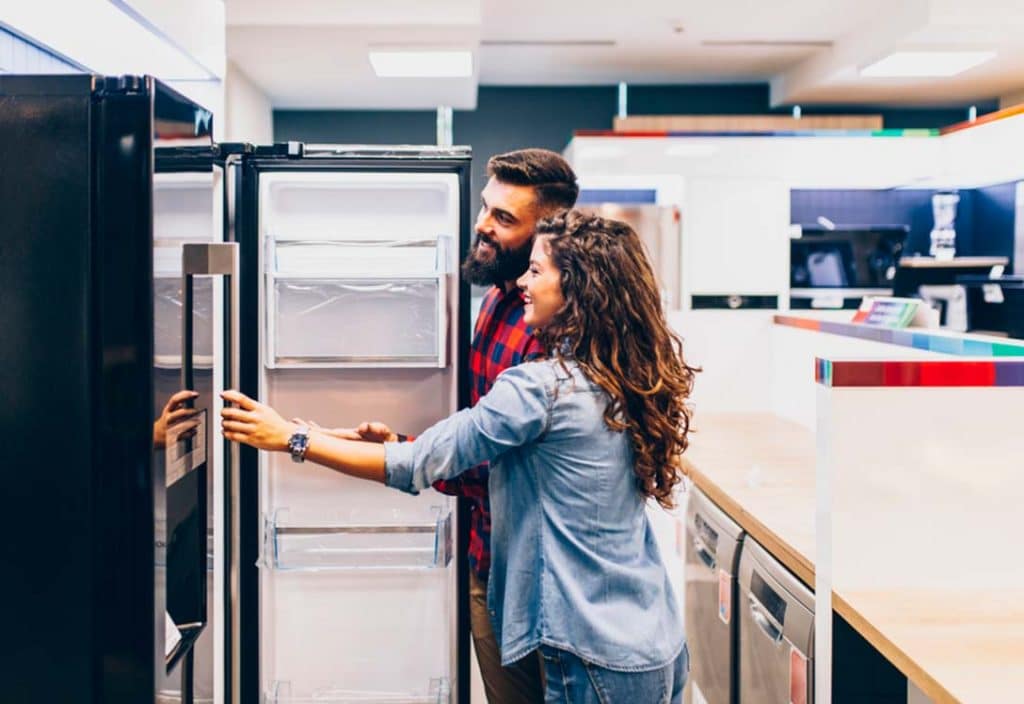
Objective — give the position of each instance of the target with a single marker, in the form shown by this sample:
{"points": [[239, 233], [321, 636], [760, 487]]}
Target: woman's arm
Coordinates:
{"points": [[513, 414], [260, 426]]}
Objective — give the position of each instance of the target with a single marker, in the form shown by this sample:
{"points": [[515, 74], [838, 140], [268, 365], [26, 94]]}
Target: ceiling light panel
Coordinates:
{"points": [[422, 64], [926, 64]]}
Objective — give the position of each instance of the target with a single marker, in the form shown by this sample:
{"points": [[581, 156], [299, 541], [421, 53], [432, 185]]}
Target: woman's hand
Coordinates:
{"points": [[174, 411], [254, 423]]}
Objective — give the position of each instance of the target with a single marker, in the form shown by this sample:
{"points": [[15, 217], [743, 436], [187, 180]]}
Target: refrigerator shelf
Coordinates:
{"points": [[438, 692], [358, 546], [357, 303]]}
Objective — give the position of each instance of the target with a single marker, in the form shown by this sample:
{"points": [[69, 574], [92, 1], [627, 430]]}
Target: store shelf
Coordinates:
{"points": [[438, 692], [358, 546]]}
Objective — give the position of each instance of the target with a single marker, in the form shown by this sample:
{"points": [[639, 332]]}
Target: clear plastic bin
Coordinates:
{"points": [[437, 692], [358, 546], [357, 303]]}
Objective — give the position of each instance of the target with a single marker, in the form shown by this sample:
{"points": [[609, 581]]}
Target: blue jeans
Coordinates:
{"points": [[572, 680]]}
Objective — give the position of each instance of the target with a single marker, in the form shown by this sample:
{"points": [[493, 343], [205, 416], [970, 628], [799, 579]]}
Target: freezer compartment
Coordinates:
{"points": [[712, 548], [358, 302], [357, 545], [437, 692]]}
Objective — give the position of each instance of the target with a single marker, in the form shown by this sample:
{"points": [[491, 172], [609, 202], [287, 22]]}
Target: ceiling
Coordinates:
{"points": [[314, 53]]}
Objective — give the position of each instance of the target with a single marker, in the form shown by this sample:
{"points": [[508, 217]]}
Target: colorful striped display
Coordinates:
{"points": [[952, 344], [840, 373], [659, 134]]}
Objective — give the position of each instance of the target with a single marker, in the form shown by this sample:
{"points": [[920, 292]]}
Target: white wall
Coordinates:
{"points": [[249, 116], [735, 237], [196, 26]]}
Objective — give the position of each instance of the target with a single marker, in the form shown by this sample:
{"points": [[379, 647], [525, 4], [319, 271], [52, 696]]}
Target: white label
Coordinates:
{"points": [[827, 301], [993, 293]]}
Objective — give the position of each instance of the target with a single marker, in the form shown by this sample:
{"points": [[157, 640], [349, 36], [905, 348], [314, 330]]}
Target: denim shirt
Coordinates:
{"points": [[574, 561]]}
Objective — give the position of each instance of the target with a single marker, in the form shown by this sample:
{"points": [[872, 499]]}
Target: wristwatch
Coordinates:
{"points": [[298, 443]]}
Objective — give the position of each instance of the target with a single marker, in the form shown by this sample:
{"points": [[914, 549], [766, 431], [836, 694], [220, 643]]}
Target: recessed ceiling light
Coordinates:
{"points": [[926, 64], [422, 64]]}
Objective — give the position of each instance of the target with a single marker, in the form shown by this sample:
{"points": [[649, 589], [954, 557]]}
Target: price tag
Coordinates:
{"points": [[724, 596], [797, 677]]}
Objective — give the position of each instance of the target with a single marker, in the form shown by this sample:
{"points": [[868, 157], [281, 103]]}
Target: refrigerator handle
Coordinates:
{"points": [[221, 259]]}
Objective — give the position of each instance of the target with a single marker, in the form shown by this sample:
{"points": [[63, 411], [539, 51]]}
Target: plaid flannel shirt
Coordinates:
{"points": [[501, 340]]}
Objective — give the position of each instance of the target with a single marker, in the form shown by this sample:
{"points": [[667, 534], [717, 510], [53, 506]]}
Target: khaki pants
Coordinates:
{"points": [[519, 683]]}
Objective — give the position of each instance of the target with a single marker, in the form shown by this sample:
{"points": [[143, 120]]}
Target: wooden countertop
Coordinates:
{"points": [[759, 468], [956, 643]]}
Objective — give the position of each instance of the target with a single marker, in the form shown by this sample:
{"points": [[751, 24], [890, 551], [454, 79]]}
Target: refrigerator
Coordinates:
{"points": [[660, 229], [352, 310], [116, 297]]}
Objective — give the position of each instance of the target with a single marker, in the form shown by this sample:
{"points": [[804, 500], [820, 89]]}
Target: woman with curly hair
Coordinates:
{"points": [[578, 443]]}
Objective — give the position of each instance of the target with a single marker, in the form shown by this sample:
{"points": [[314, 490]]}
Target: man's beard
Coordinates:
{"points": [[505, 265]]}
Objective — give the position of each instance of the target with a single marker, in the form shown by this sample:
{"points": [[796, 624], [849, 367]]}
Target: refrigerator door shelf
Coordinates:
{"points": [[375, 257], [308, 204], [358, 546], [438, 692], [183, 203], [357, 322]]}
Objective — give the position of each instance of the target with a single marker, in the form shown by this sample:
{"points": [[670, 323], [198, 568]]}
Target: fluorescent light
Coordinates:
{"points": [[69, 29], [422, 64], [925, 64]]}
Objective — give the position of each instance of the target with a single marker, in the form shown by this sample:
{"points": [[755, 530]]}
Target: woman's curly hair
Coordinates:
{"points": [[613, 326]]}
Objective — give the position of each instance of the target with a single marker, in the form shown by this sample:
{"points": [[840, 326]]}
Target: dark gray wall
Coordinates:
{"points": [[511, 117]]}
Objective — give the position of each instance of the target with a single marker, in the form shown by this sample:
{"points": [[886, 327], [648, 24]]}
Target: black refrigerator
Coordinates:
{"points": [[119, 327], [353, 309]]}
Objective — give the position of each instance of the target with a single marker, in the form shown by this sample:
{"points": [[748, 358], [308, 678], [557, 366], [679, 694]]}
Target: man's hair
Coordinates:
{"points": [[548, 173]]}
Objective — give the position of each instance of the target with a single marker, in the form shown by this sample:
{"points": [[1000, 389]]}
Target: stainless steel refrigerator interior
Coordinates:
{"points": [[109, 581], [776, 631], [660, 229], [354, 311], [712, 557]]}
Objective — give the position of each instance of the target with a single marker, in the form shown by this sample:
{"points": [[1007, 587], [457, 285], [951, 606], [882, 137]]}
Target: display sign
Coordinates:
{"points": [[893, 312]]}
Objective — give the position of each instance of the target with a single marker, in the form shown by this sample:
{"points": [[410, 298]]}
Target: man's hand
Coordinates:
{"points": [[254, 423], [370, 431], [375, 431]]}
